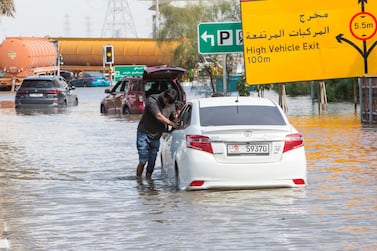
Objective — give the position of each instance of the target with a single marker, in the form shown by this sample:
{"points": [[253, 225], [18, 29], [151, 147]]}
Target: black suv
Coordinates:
{"points": [[129, 94], [45, 92]]}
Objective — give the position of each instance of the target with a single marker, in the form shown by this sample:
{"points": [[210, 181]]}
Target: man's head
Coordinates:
{"points": [[169, 96]]}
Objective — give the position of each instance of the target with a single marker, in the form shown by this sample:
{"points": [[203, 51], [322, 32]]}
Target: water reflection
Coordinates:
{"points": [[67, 182], [37, 111]]}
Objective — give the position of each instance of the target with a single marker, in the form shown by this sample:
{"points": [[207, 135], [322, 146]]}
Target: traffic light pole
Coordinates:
{"points": [[108, 59]]}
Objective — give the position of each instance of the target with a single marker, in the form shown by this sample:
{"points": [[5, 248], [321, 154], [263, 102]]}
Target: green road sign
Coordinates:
{"points": [[216, 38], [121, 71]]}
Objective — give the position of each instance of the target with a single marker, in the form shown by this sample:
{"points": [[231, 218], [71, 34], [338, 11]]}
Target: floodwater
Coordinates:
{"points": [[67, 182]]}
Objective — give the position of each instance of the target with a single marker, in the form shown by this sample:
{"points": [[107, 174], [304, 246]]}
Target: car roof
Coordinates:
{"points": [[50, 77], [233, 100]]}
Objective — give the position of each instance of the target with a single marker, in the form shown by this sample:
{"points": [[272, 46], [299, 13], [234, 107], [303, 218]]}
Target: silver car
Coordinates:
{"points": [[45, 92]]}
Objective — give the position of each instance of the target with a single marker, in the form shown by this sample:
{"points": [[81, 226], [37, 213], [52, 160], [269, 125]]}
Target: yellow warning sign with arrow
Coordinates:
{"points": [[288, 41]]}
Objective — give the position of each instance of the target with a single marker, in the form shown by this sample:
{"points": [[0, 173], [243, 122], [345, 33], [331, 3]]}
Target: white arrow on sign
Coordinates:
{"points": [[204, 36]]}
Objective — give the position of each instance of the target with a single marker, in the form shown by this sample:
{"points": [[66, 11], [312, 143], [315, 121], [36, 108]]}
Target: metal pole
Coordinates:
{"points": [[370, 100], [157, 14], [359, 80], [355, 94], [224, 75]]}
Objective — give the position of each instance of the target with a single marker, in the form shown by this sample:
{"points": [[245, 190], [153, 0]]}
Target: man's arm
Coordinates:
{"points": [[165, 120]]}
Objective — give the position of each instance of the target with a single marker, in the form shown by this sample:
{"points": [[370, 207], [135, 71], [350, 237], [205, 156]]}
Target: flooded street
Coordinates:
{"points": [[67, 182]]}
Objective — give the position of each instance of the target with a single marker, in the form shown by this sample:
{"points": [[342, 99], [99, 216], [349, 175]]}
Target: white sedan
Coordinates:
{"points": [[233, 143]]}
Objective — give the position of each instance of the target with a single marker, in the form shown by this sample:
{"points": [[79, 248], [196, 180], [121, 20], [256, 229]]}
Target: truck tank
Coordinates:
{"points": [[80, 52], [19, 54], [26, 56]]}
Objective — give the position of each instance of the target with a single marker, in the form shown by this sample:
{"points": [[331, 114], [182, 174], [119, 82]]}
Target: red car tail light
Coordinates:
{"points": [[293, 141], [199, 142], [52, 92], [197, 183], [299, 181]]}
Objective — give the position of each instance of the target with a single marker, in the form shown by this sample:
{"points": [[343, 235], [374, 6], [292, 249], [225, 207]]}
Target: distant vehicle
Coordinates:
{"points": [[67, 75], [129, 94], [233, 143], [45, 92], [90, 79]]}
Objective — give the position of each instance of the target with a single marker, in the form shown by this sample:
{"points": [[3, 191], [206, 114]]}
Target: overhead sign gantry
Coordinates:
{"points": [[287, 41]]}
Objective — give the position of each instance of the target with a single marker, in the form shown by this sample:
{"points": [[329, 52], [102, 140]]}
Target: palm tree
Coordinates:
{"points": [[7, 8]]}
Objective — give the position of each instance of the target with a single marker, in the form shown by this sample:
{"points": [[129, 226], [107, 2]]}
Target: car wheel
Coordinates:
{"points": [[103, 109], [163, 173], [176, 177], [76, 103], [126, 110]]}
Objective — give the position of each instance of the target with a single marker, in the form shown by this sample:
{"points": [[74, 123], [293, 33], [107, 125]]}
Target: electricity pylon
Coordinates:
{"points": [[116, 25]]}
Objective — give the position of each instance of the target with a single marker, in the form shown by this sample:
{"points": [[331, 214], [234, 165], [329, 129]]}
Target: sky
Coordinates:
{"points": [[71, 18]]}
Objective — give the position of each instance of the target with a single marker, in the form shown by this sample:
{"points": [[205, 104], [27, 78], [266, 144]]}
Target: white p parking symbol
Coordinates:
{"points": [[224, 38]]}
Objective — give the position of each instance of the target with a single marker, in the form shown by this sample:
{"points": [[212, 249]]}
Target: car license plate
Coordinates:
{"points": [[36, 95], [254, 149]]}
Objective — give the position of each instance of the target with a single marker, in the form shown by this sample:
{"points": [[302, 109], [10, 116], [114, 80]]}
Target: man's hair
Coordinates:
{"points": [[170, 95]]}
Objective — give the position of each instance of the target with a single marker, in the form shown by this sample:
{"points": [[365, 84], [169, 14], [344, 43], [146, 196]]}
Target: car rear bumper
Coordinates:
{"points": [[202, 167], [34, 104], [31, 106]]}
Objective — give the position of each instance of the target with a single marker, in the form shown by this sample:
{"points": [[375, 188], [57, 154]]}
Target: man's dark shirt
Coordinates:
{"points": [[148, 123]]}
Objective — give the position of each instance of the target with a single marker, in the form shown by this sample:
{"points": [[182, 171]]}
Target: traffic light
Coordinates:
{"points": [[109, 54]]}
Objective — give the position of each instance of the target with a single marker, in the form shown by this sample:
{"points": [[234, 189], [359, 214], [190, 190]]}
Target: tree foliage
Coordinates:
{"points": [[181, 23], [7, 8]]}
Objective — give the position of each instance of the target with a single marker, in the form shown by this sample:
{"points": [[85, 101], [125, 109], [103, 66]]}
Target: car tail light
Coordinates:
{"points": [[22, 92], [52, 92], [199, 142], [196, 183], [91, 79], [299, 181], [293, 141]]}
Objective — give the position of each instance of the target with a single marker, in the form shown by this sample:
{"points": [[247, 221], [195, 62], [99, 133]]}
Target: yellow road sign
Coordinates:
{"points": [[293, 40]]}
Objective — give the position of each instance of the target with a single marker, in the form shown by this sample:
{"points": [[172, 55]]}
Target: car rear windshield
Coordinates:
{"points": [[37, 84], [240, 115]]}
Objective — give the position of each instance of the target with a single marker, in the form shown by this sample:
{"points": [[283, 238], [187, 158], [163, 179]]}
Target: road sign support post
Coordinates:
{"points": [[224, 75]]}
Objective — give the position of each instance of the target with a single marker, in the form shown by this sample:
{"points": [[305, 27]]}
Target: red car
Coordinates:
{"points": [[129, 94]]}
